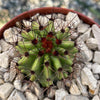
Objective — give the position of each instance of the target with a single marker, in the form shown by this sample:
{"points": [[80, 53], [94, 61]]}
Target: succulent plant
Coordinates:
{"points": [[47, 55]]}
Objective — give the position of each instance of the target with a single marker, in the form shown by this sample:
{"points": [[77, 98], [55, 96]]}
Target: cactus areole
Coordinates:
{"points": [[46, 54]]}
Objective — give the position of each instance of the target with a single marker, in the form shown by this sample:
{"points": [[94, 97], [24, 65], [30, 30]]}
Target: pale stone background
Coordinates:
{"points": [[11, 8]]}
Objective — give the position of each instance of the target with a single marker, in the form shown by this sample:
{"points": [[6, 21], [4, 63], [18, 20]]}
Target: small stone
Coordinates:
{"points": [[20, 77], [51, 92], [16, 59], [3, 69], [48, 16], [38, 90], [80, 58], [96, 68], [30, 96], [4, 45], [6, 76], [27, 23], [16, 94], [46, 99], [4, 60], [36, 2], [12, 71], [59, 24], [18, 24], [12, 52], [60, 84], [19, 95], [68, 83], [84, 36], [56, 3], [77, 69], [96, 97], [54, 16], [66, 3], [96, 76], [35, 17], [88, 65], [61, 16], [97, 57], [43, 20], [17, 84], [92, 43], [49, 3], [25, 87], [94, 92], [11, 35], [11, 97], [74, 35], [72, 97], [82, 28], [60, 94], [85, 52], [74, 89], [88, 78], [82, 88], [5, 90], [73, 19], [96, 33], [1, 81]]}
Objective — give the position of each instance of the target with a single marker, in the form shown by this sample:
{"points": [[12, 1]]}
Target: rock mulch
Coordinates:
{"points": [[86, 82]]}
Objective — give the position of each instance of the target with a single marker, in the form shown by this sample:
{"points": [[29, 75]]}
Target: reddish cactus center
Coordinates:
{"points": [[47, 44]]}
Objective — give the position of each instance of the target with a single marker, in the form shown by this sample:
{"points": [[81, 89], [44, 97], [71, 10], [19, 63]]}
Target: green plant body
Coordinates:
{"points": [[47, 55]]}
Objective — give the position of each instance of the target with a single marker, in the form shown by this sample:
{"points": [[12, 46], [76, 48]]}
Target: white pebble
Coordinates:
{"points": [[88, 78], [96, 68], [96, 33], [74, 89], [73, 19], [27, 23], [82, 28], [17, 84], [4, 60], [92, 43], [82, 88], [85, 52], [5, 90], [30, 96], [97, 57], [6, 76], [4, 45], [96, 97], [60, 94], [43, 20], [12, 35], [72, 97]]}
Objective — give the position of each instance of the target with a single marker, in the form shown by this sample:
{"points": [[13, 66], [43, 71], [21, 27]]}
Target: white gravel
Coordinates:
{"points": [[87, 73], [5, 90]]}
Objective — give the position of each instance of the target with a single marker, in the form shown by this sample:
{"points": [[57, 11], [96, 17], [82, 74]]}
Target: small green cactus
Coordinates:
{"points": [[47, 55]]}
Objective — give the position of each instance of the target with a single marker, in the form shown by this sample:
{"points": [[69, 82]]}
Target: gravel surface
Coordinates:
{"points": [[85, 84]]}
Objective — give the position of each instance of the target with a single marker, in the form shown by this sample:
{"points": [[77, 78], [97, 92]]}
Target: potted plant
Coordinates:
{"points": [[46, 50]]}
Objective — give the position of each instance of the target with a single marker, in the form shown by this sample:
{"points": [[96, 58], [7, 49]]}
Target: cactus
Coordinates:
{"points": [[47, 55]]}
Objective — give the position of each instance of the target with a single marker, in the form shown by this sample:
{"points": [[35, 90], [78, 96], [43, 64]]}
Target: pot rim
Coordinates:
{"points": [[44, 10]]}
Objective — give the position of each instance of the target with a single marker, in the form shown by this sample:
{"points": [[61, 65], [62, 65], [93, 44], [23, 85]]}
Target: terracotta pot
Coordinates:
{"points": [[44, 10]]}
